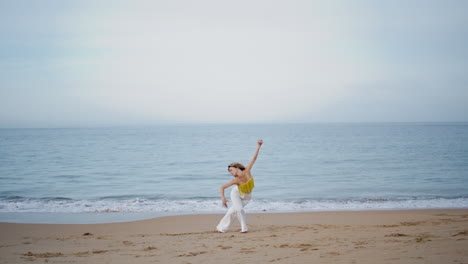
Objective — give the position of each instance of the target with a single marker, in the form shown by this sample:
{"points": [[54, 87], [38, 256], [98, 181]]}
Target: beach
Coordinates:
{"points": [[393, 236]]}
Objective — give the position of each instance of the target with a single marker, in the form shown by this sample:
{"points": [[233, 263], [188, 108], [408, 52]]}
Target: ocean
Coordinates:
{"points": [[94, 175]]}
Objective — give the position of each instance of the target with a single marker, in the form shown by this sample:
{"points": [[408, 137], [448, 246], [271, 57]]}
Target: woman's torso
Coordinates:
{"points": [[246, 184], [246, 178]]}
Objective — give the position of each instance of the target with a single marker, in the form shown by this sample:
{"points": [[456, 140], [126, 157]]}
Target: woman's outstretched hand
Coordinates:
{"points": [[225, 201], [259, 142]]}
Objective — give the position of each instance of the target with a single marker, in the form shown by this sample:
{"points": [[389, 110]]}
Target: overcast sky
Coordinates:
{"points": [[98, 63]]}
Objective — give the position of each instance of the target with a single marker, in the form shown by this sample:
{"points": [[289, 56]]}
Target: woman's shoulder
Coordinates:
{"points": [[236, 181]]}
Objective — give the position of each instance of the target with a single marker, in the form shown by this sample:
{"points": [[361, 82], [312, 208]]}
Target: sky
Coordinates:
{"points": [[100, 63]]}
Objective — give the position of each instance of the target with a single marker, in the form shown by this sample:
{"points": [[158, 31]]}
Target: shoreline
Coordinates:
{"points": [[384, 236], [105, 217], [72, 218]]}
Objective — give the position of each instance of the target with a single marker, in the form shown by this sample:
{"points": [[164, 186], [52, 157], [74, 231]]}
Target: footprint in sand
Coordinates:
{"points": [[43, 255], [150, 248], [99, 251], [396, 235], [192, 254], [128, 243], [224, 247], [462, 233], [247, 250], [412, 223], [302, 247]]}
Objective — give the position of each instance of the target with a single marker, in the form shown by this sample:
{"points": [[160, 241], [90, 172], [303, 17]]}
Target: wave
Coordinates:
{"points": [[208, 205]]}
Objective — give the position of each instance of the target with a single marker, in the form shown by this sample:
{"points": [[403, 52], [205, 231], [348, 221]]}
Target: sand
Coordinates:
{"points": [[413, 236]]}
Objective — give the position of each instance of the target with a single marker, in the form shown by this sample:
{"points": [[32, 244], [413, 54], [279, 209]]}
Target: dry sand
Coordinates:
{"points": [[417, 236]]}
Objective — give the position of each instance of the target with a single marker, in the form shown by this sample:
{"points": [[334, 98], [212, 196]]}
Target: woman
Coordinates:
{"points": [[240, 194]]}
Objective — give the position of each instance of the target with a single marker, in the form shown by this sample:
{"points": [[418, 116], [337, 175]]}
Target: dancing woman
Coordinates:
{"points": [[240, 194]]}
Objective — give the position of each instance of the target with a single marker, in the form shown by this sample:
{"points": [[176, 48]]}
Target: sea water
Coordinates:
{"points": [[90, 175]]}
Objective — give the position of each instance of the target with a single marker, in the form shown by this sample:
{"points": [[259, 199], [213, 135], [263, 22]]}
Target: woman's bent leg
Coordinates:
{"points": [[226, 221]]}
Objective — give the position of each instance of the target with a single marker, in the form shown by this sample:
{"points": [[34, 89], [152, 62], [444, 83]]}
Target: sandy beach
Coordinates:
{"points": [[413, 236]]}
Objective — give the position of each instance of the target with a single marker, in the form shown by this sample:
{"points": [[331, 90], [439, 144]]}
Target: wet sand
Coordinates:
{"points": [[404, 236]]}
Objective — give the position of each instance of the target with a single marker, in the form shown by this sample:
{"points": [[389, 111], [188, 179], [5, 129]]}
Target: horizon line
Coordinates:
{"points": [[156, 124]]}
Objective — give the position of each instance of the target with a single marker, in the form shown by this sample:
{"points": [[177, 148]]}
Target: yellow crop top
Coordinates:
{"points": [[247, 187]]}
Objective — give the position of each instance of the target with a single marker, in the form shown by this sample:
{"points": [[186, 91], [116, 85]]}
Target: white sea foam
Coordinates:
{"points": [[213, 205]]}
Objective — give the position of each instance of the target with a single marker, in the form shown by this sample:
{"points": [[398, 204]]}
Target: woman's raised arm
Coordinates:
{"points": [[251, 163]]}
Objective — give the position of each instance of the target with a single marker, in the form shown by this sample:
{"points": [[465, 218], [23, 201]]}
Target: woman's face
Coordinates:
{"points": [[233, 171]]}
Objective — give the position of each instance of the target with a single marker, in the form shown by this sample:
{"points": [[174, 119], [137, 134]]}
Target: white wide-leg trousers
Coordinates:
{"points": [[236, 210]]}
